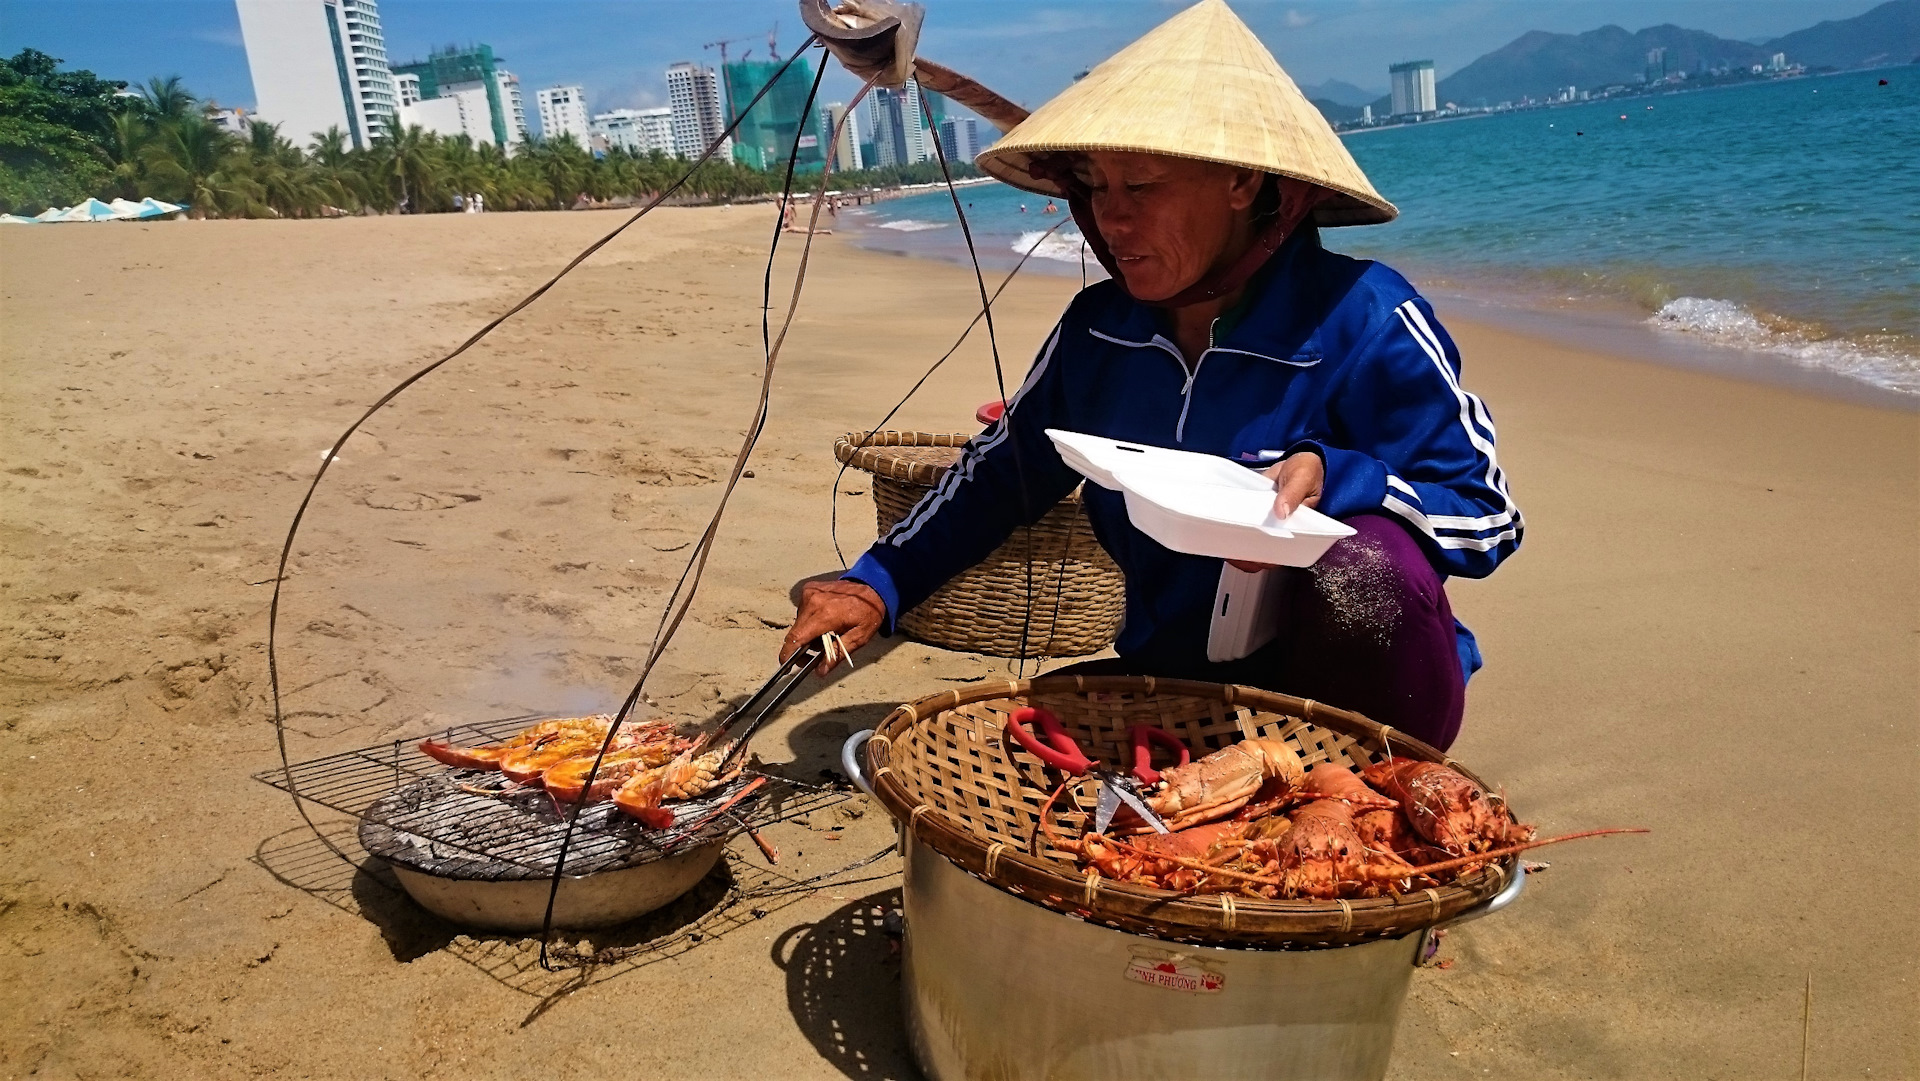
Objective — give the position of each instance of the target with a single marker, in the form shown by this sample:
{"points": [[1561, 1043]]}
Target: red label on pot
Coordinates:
{"points": [[1174, 972]]}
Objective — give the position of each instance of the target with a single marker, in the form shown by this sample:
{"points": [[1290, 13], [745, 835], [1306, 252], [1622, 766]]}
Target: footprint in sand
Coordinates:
{"points": [[405, 499]]}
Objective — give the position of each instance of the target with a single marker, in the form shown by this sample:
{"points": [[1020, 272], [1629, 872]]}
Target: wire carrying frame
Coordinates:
{"points": [[686, 586]]}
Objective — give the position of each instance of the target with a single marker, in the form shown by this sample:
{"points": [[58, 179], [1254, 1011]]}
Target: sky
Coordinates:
{"points": [[1028, 51]]}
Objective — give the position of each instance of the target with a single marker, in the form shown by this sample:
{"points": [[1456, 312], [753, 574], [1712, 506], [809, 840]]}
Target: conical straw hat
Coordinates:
{"points": [[1199, 85]]}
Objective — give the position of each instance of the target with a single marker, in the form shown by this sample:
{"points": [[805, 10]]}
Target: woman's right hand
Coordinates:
{"points": [[843, 607]]}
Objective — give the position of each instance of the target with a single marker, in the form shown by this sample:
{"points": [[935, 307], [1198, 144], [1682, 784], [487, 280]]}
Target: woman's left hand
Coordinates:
{"points": [[1298, 481]]}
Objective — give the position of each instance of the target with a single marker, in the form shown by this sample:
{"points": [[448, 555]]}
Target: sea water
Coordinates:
{"points": [[1779, 219]]}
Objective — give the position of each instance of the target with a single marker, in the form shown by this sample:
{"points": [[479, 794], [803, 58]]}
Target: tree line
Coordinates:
{"points": [[67, 135]]}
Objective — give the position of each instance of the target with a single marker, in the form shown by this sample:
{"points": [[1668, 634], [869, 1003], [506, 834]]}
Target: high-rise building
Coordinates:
{"points": [[563, 112], [694, 94], [515, 105], [319, 64], [1656, 65], [960, 139], [900, 135], [472, 74], [779, 124], [1413, 90], [637, 131], [846, 152]]}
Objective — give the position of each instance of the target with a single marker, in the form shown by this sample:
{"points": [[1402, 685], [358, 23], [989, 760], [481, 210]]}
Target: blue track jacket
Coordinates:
{"points": [[1333, 354]]}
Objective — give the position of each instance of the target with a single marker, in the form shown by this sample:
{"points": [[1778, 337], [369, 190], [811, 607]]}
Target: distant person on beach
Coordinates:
{"points": [[1023, 208], [1228, 330], [1050, 208]]}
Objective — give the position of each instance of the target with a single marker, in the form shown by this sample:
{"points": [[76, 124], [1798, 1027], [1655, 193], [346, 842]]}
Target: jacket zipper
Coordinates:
{"points": [[1186, 392]]}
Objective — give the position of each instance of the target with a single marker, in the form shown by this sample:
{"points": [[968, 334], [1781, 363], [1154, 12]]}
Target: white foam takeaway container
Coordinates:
{"points": [[1200, 504]]}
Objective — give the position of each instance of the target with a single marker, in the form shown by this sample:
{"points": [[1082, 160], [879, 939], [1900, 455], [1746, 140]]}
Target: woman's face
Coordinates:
{"points": [[1168, 220]]}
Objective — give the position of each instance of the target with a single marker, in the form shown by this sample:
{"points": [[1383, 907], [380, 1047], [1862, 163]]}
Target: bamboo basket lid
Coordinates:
{"points": [[943, 768], [908, 457], [1200, 85]]}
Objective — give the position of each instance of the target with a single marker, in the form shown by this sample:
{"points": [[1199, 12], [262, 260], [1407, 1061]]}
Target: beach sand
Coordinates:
{"points": [[1709, 632]]}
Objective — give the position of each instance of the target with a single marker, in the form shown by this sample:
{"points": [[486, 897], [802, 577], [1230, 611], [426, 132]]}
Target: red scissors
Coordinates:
{"points": [[1062, 753]]}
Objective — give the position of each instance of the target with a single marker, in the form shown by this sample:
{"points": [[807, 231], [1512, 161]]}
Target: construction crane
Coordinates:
{"points": [[773, 49], [722, 46]]}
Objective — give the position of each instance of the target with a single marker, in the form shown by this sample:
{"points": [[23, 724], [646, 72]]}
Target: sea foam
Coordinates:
{"points": [[911, 225], [1882, 363], [1063, 246]]}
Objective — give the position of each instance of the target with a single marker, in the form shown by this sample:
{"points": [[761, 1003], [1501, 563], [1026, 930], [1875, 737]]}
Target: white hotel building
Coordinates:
{"points": [[319, 64], [637, 131], [698, 120], [563, 111]]}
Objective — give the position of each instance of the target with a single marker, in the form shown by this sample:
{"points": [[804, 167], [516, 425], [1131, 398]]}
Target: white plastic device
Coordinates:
{"points": [[1246, 611]]}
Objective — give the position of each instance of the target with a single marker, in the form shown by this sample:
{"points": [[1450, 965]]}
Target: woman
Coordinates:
{"points": [[1199, 176]]}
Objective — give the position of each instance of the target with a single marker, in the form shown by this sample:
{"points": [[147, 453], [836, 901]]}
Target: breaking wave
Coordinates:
{"points": [[1063, 246], [911, 225], [1886, 361]]}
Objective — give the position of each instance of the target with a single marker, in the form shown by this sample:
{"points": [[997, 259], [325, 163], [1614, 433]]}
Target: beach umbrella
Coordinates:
{"points": [[126, 208], [52, 213], [91, 210], [15, 219], [153, 208]]}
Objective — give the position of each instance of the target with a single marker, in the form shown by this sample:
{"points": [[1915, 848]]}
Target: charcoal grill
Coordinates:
{"points": [[487, 861]]}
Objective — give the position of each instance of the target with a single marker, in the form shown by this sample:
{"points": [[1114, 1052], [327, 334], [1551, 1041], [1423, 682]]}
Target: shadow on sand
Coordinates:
{"points": [[734, 894], [843, 986]]}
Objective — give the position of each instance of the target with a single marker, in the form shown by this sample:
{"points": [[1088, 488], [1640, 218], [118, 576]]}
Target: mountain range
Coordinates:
{"points": [[1538, 64], [1341, 93]]}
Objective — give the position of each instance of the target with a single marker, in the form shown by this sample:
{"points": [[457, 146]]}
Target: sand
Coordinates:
{"points": [[1709, 631]]}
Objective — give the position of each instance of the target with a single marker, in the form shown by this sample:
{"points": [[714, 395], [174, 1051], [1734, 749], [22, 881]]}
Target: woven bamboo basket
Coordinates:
{"points": [[1049, 591], [943, 768]]}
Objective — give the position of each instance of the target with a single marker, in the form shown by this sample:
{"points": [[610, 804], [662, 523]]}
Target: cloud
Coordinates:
{"points": [[627, 94], [219, 35], [1297, 19]]}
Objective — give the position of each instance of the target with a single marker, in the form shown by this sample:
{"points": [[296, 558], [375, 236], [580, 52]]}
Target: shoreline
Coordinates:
{"points": [[1611, 325], [1639, 95]]}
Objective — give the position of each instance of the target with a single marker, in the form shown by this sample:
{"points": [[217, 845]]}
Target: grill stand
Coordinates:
{"points": [[486, 862]]}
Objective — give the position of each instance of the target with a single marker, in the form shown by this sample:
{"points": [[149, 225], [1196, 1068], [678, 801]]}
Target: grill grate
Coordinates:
{"points": [[414, 811], [740, 893]]}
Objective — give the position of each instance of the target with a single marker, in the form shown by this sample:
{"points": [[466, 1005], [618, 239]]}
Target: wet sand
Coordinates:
{"points": [[1709, 631]]}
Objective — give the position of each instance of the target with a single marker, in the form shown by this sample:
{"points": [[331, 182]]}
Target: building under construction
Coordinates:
{"points": [[452, 70], [766, 135]]}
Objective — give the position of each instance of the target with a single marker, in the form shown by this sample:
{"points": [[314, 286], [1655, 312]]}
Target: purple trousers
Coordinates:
{"points": [[1367, 628]]}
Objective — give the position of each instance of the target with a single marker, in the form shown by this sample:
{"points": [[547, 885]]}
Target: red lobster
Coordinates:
{"points": [[1447, 809]]}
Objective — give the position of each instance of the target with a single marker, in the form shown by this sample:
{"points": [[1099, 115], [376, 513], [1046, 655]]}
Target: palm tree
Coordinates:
{"points": [[167, 99], [404, 158], [131, 134], [286, 181], [562, 164], [463, 169], [335, 171], [203, 167]]}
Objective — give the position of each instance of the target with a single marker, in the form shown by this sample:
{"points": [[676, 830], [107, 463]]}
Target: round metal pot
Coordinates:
{"points": [[998, 987], [601, 899], [495, 896]]}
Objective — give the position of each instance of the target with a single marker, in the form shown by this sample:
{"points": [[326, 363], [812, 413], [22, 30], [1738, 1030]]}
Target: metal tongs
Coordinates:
{"points": [[792, 672], [1062, 753]]}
